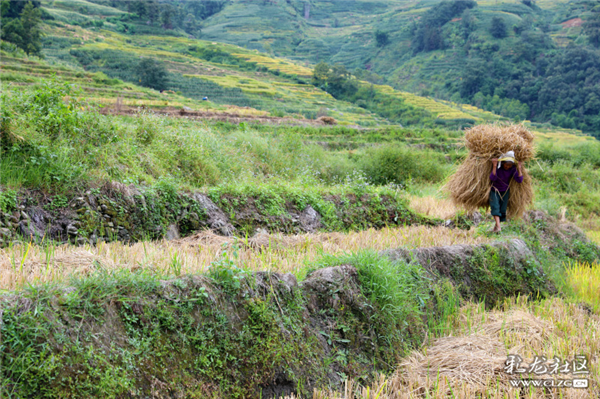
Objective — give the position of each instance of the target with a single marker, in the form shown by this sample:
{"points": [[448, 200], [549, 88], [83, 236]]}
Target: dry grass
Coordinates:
{"points": [[22, 264], [443, 208], [470, 186], [521, 196], [491, 141], [470, 363]]}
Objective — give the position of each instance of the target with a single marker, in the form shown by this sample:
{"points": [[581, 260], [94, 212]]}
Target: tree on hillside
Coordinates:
{"points": [[190, 25], [152, 74], [336, 80], [591, 27], [427, 35], [14, 8], [138, 7], [382, 38], [153, 11], [467, 24], [167, 16], [320, 73], [498, 28], [25, 31]]}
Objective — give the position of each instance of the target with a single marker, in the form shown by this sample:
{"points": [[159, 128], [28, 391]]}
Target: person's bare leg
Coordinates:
{"points": [[497, 228]]}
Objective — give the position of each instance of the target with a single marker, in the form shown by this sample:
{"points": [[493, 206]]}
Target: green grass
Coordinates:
{"points": [[400, 290], [45, 135]]}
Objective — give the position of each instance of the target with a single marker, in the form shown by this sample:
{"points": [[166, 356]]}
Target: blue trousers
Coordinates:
{"points": [[498, 203]]}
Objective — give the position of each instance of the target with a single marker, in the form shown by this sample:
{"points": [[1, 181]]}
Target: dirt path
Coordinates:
{"points": [[222, 116]]}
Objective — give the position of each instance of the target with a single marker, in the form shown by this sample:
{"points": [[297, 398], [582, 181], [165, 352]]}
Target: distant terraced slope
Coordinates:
{"points": [[227, 74]]}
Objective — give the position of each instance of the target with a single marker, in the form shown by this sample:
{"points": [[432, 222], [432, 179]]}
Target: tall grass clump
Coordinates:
{"points": [[584, 281], [51, 139], [400, 290], [577, 154], [566, 190]]}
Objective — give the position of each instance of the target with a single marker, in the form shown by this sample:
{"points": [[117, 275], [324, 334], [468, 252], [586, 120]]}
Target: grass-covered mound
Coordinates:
{"points": [[226, 334]]}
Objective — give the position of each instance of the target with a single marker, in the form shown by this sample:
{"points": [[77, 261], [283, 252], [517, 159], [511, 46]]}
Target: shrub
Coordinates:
{"points": [[395, 164], [498, 28], [152, 74]]}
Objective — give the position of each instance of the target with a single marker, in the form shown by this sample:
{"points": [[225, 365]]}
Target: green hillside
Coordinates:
{"points": [[230, 76], [537, 54], [463, 63]]}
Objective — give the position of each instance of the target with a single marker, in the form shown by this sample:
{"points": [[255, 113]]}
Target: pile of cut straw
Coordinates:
{"points": [[470, 186]]}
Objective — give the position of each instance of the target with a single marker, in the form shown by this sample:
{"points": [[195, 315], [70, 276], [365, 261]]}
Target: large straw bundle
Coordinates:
{"points": [[470, 186]]}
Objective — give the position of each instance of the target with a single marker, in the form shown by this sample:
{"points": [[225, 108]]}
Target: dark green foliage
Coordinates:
{"points": [[165, 15], [427, 35], [560, 87], [591, 27], [24, 31], [335, 79], [14, 8], [152, 73], [498, 28], [467, 24], [382, 38]]}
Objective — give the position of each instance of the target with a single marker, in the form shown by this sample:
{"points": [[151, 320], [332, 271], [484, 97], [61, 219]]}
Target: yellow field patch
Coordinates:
{"points": [[584, 280], [253, 86], [562, 137], [594, 236], [272, 64]]}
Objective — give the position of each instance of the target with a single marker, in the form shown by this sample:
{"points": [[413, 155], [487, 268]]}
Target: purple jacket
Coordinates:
{"points": [[501, 179]]}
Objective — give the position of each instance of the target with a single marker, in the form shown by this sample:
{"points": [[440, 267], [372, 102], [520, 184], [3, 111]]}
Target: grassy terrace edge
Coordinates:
{"points": [[128, 213], [235, 333]]}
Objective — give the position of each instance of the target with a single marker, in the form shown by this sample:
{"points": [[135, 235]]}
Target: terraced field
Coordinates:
{"points": [[228, 74]]}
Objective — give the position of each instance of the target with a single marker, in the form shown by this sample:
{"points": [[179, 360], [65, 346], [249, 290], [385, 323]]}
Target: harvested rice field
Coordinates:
{"points": [[470, 360], [25, 264]]}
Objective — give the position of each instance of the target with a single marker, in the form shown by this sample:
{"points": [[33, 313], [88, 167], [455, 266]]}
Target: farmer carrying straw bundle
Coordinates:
{"points": [[492, 175], [503, 170]]}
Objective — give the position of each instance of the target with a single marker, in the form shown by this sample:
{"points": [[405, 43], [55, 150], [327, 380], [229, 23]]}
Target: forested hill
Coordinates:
{"points": [[536, 60], [522, 59]]}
